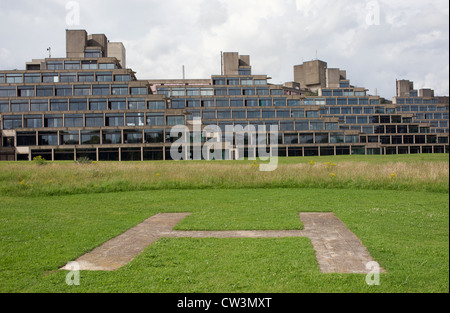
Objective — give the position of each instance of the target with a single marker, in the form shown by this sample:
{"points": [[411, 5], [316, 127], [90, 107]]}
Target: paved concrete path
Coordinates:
{"points": [[338, 250]]}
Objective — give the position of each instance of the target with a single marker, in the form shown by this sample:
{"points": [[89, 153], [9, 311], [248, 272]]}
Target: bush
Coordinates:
{"points": [[39, 160], [83, 160]]}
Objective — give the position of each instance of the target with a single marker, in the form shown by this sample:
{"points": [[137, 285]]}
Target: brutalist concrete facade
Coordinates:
{"points": [[89, 104]]}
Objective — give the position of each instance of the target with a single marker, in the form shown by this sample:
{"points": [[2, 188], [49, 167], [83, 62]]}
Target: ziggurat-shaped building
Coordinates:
{"points": [[90, 105]]}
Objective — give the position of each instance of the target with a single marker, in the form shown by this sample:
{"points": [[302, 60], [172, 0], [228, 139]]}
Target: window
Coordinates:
{"points": [[26, 139], [54, 65], [155, 119], [262, 91], [90, 137], [220, 91], [156, 105], [47, 139], [235, 91], [7, 92], [117, 104], [68, 77], [178, 104], [336, 138], [222, 102], [38, 105], [297, 113], [94, 120], [100, 90], [321, 138], [238, 114], [86, 77], [316, 125], [69, 138], [193, 103], [154, 136], [132, 136], [312, 114], [112, 137], [290, 139], [289, 126], [260, 82], [223, 114], [279, 101], [114, 120], [58, 105], [219, 81], [136, 104], [83, 90], [134, 119], [32, 121], [63, 91], [138, 91], [293, 102], [122, 78], [351, 139], [89, 65], [206, 91], [50, 78], [175, 120], [236, 102], [32, 78], [265, 102], [118, 90], [12, 122], [2, 78], [19, 106], [71, 65], [209, 115], [283, 114], [251, 102], [97, 104], [73, 120], [53, 121], [104, 77], [331, 126], [106, 66], [233, 81], [306, 138], [268, 113], [244, 71]]}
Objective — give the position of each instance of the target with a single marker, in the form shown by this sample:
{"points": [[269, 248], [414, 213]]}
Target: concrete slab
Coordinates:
{"points": [[338, 250]]}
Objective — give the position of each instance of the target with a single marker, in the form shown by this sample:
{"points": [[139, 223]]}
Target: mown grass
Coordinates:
{"points": [[405, 231], [397, 205], [415, 173]]}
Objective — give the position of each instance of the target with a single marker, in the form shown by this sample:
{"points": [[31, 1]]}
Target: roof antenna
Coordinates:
{"points": [[49, 49]]}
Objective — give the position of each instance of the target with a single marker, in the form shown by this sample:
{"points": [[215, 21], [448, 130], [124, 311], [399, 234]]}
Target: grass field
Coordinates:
{"points": [[398, 206]]}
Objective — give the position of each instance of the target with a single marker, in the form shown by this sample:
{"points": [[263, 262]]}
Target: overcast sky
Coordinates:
{"points": [[375, 41]]}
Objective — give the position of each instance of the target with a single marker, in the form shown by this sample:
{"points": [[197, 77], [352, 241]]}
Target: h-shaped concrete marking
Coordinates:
{"points": [[338, 250]]}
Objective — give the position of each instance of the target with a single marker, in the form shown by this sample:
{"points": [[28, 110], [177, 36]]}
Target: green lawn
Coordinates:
{"points": [[407, 232]]}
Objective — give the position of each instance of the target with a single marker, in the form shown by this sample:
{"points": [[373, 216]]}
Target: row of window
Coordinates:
{"points": [[66, 77], [83, 65], [236, 81], [26, 139], [80, 105], [160, 136], [91, 120], [71, 90], [342, 92], [416, 101]]}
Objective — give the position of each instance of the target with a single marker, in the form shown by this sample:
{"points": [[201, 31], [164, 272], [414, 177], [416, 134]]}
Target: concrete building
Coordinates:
{"points": [[88, 104]]}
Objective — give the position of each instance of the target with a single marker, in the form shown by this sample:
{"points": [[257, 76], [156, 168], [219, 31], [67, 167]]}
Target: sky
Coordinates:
{"points": [[375, 41]]}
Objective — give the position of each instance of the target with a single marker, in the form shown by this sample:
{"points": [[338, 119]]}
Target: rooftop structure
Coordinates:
{"points": [[89, 104]]}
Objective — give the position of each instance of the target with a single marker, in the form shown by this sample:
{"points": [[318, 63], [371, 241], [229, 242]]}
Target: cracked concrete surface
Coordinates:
{"points": [[338, 250]]}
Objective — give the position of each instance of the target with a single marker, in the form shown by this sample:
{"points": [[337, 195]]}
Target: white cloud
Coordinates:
{"points": [[376, 41]]}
